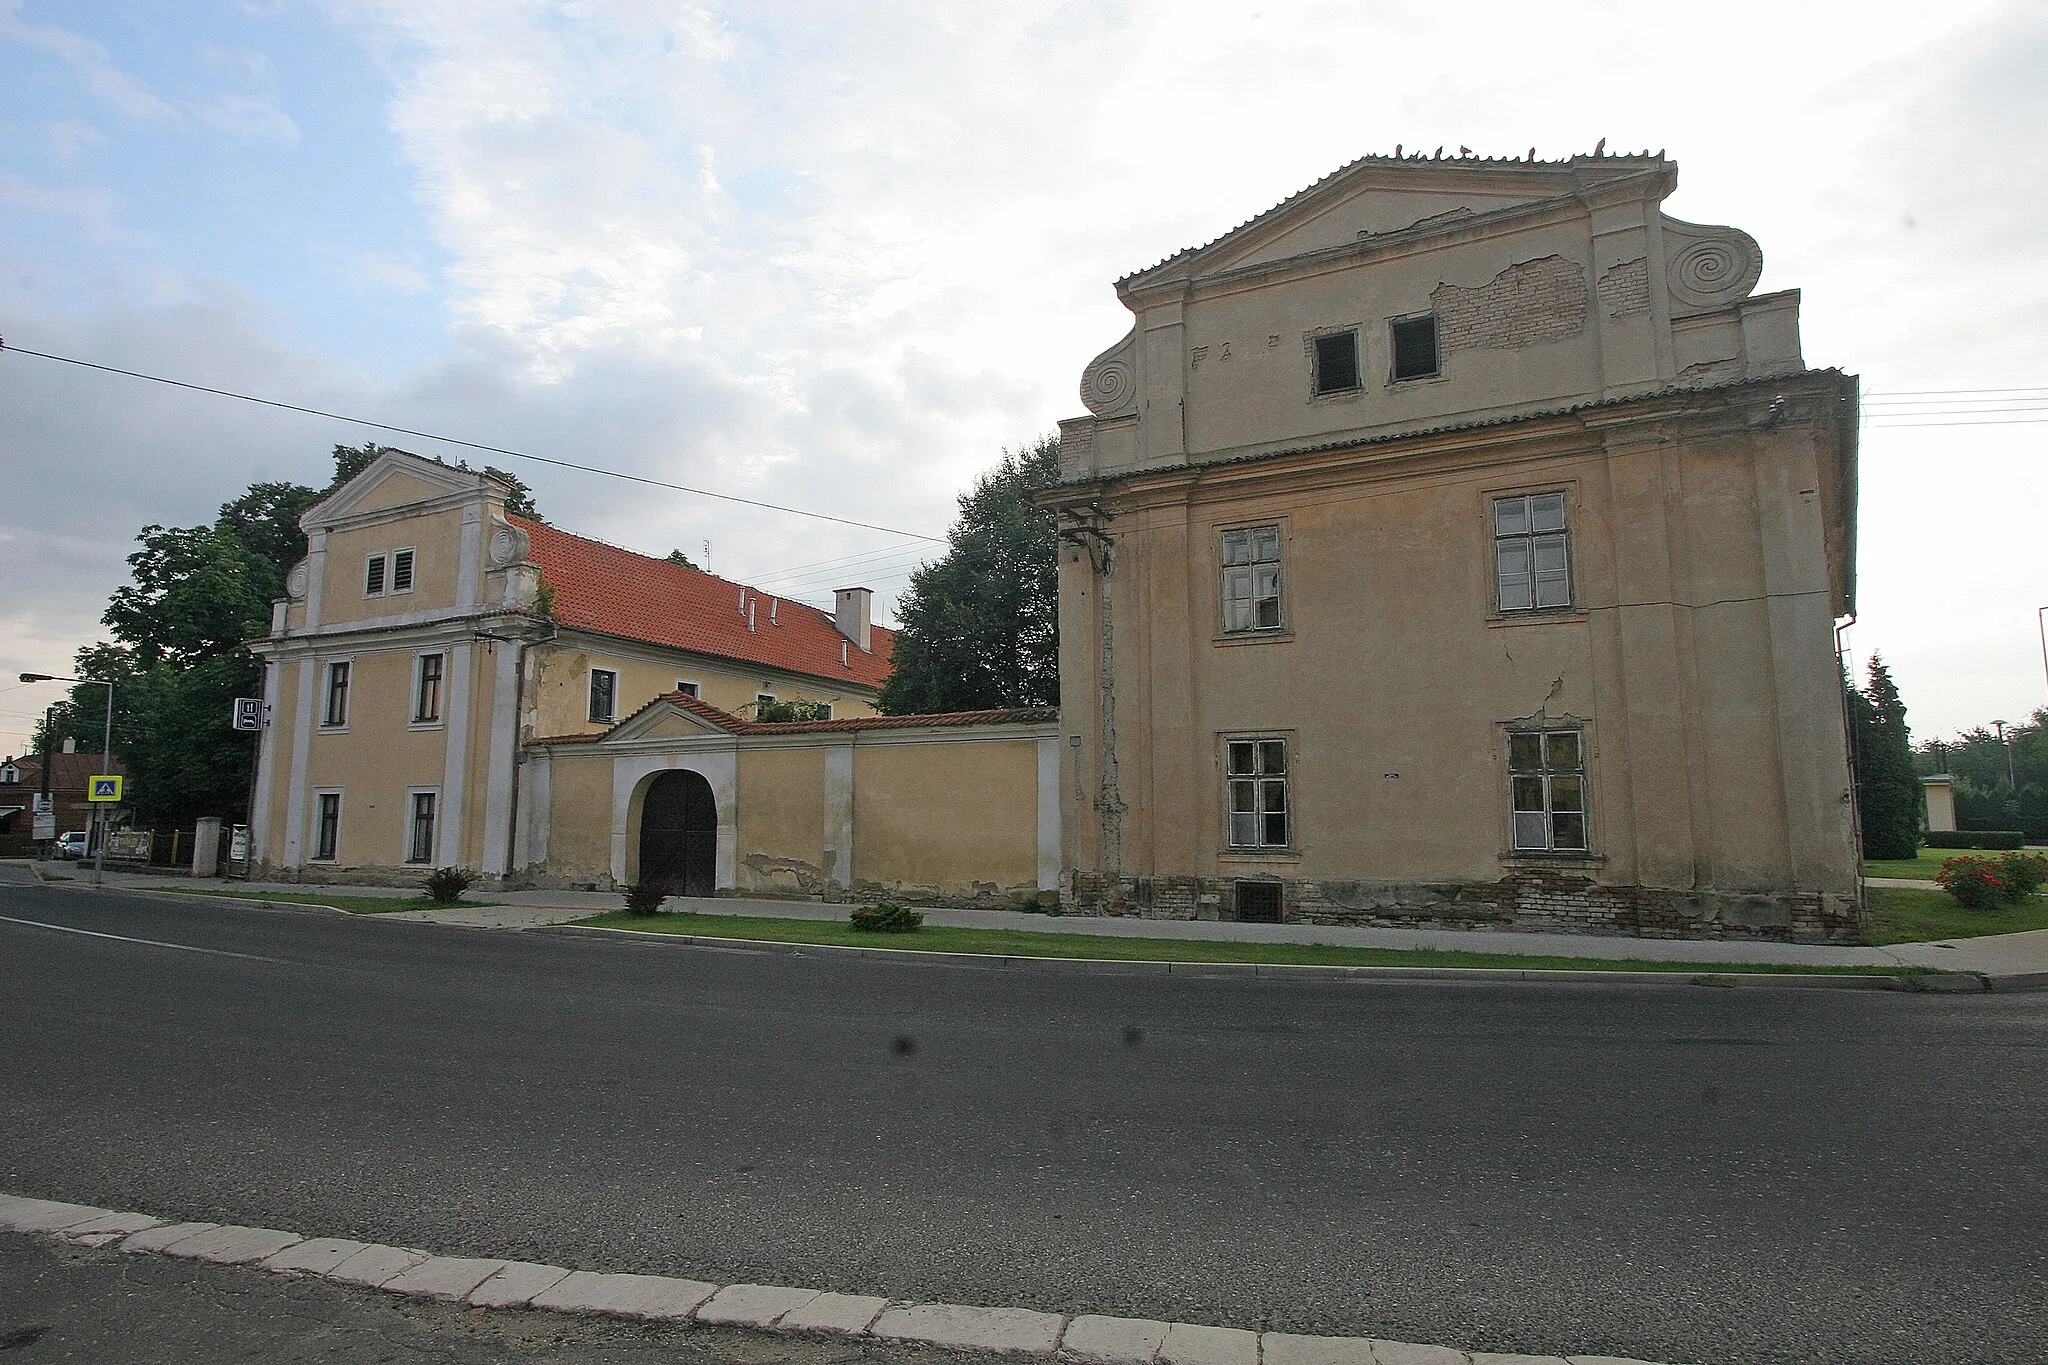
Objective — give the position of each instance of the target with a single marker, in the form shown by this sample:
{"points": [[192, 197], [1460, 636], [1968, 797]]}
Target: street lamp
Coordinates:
{"points": [[2010, 785], [99, 862]]}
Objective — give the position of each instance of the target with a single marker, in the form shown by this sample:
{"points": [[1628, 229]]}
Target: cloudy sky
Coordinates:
{"points": [[841, 255]]}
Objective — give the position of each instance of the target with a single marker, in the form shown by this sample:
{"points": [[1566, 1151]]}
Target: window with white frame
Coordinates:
{"points": [[426, 691], [1547, 790], [762, 699], [604, 695], [401, 571], [688, 689], [1260, 815], [1251, 579], [419, 839], [1531, 552], [821, 710], [373, 576], [327, 827], [334, 712]]}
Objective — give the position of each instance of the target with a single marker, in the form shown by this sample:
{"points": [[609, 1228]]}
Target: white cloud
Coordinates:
{"points": [[89, 61], [392, 274], [67, 138]]}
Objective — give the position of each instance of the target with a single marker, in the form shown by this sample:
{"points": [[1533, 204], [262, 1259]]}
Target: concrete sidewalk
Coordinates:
{"points": [[2011, 961]]}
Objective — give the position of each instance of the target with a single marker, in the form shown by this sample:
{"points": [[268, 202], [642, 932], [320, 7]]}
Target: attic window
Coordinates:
{"points": [[401, 571], [373, 576], [1415, 347], [1337, 362]]}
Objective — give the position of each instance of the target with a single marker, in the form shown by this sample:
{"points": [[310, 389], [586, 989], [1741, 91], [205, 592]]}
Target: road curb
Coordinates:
{"points": [[1082, 1339], [1904, 981], [187, 897]]}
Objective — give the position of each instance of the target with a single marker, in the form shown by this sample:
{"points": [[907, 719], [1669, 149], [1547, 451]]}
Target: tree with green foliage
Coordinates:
{"points": [[979, 627], [2000, 784], [1887, 782], [678, 557], [783, 712]]}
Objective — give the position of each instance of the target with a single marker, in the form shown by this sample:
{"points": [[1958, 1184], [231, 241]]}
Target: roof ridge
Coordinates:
{"points": [[533, 522]]}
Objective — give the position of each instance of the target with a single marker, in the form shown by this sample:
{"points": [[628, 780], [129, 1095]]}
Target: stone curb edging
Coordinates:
{"points": [[1904, 981], [485, 1282]]}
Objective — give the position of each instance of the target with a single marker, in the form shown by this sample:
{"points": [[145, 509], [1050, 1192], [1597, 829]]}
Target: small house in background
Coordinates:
{"points": [[1460, 543], [1939, 812], [21, 778]]}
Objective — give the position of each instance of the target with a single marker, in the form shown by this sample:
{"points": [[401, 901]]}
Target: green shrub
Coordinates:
{"points": [[1974, 882], [889, 917], [645, 898], [1996, 839], [2022, 873], [446, 884]]}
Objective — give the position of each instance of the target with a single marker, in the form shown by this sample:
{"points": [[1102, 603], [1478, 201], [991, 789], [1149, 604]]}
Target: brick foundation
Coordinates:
{"points": [[1529, 900]]}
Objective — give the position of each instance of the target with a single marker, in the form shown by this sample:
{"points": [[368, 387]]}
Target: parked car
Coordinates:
{"points": [[72, 845]]}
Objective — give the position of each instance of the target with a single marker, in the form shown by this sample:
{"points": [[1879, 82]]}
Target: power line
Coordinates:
{"points": [[473, 445]]}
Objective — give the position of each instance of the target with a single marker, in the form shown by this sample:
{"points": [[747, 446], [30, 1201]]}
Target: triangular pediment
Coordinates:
{"points": [[664, 718], [1379, 196], [396, 478]]}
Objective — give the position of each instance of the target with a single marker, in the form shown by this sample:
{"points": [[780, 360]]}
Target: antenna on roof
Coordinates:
{"points": [[707, 556]]}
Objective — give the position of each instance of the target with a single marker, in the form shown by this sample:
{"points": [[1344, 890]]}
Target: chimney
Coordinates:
{"points": [[853, 612]]}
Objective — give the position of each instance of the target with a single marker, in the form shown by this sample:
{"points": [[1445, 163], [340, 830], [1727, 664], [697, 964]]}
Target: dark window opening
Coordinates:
{"points": [[1337, 362], [336, 712], [401, 571], [688, 689], [1415, 347], [328, 838], [604, 695], [373, 576], [1258, 902]]}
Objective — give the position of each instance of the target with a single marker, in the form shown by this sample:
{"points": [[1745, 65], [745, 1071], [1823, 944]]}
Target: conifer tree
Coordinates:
{"points": [[1887, 783]]}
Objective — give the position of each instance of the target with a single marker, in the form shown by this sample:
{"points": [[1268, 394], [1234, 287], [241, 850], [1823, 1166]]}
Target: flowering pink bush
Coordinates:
{"points": [[1974, 882]]}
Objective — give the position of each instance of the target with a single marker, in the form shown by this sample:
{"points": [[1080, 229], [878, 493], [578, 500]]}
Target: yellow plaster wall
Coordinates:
{"points": [[560, 699], [375, 760], [946, 815], [436, 540], [781, 827], [580, 819]]}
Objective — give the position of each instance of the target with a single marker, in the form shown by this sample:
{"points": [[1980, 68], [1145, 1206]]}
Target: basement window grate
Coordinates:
{"points": [[1258, 902]]}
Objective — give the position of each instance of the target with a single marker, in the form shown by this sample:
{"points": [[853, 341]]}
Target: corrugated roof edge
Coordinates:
{"points": [[737, 725], [1410, 433]]}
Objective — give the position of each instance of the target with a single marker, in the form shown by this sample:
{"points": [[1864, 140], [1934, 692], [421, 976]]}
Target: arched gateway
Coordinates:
{"points": [[679, 833]]}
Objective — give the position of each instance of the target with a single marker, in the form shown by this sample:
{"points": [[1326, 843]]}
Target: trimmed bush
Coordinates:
{"points": [[446, 884], [2023, 874], [1974, 882], [888, 917], [645, 898], [1996, 839]]}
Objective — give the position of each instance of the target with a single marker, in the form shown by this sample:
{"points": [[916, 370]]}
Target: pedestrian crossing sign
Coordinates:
{"points": [[103, 788]]}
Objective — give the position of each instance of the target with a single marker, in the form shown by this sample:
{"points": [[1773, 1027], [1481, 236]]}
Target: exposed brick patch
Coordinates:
{"points": [[1540, 300], [1625, 290], [1541, 899]]}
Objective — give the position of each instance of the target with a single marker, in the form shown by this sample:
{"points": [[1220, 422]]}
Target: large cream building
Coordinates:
{"points": [[448, 685], [1461, 542]]}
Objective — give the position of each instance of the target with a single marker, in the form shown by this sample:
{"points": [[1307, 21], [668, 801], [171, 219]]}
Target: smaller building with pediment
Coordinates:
{"points": [[447, 684]]}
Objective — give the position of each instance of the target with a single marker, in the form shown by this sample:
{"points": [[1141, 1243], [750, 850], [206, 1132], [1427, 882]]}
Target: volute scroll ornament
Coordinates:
{"points": [[509, 545], [1709, 267], [296, 580], [1109, 386]]}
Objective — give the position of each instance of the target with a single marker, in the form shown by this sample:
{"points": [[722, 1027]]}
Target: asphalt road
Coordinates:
{"points": [[1670, 1173]]}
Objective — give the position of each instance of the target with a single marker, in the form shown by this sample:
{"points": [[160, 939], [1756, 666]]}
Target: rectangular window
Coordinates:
{"points": [[604, 695], [401, 571], [1337, 362], [420, 841], [1531, 552], [1415, 347], [426, 700], [1256, 775], [688, 689], [1251, 579], [821, 710], [762, 699], [335, 714], [1547, 790], [327, 828], [373, 576]]}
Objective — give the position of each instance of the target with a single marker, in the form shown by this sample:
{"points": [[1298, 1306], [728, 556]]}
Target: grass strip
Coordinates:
{"points": [[1099, 947], [1911, 914], [354, 905]]}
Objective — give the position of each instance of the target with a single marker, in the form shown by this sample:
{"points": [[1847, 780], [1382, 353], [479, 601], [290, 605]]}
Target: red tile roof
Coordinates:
{"points": [[67, 772], [732, 724], [603, 588]]}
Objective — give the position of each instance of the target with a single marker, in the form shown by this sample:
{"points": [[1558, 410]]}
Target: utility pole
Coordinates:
{"points": [[2010, 785]]}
